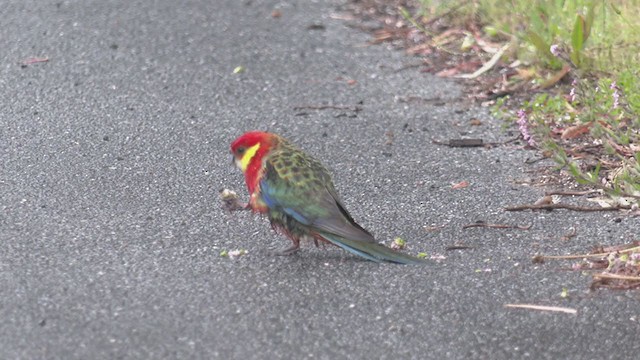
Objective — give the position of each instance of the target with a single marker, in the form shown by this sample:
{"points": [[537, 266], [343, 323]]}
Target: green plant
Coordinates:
{"points": [[591, 129]]}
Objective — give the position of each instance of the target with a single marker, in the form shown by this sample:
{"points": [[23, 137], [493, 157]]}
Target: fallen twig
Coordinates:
{"points": [[616, 277], [535, 160], [473, 142], [497, 226], [434, 228], [325, 107], [620, 248], [34, 60], [571, 193], [619, 266], [565, 206], [458, 247], [486, 67], [615, 281], [541, 258], [543, 308], [461, 143], [621, 194], [436, 101]]}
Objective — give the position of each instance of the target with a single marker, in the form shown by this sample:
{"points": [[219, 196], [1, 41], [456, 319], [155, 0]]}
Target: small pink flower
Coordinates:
{"points": [[572, 93], [615, 95], [555, 50], [524, 128]]}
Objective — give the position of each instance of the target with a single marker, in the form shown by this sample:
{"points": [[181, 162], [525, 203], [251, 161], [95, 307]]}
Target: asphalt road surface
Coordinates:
{"points": [[113, 152]]}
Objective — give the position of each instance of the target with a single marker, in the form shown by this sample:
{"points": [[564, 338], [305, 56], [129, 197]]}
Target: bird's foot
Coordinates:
{"points": [[289, 251], [320, 243], [231, 202]]}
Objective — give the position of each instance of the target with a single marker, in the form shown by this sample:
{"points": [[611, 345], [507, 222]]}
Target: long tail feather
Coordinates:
{"points": [[373, 251]]}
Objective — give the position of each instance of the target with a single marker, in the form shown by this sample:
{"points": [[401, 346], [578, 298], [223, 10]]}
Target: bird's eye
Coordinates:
{"points": [[240, 150]]}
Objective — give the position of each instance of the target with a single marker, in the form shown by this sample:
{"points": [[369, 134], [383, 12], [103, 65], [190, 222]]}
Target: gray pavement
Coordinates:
{"points": [[114, 150]]}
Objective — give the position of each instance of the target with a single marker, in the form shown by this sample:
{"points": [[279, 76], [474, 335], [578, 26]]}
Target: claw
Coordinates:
{"points": [[289, 251], [230, 201], [295, 247], [318, 240]]}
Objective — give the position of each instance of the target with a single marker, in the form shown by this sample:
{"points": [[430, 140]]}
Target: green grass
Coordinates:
{"points": [[598, 35], [599, 43]]}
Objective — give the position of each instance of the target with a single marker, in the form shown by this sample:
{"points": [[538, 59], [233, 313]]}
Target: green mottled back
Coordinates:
{"points": [[301, 196]]}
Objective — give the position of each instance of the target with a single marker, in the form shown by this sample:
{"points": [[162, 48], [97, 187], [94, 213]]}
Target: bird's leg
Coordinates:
{"points": [[295, 247], [317, 240]]}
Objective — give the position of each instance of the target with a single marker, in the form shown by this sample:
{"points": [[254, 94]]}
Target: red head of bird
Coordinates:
{"points": [[248, 151]]}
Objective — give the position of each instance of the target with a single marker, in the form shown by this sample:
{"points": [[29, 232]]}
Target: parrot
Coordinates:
{"points": [[296, 193]]}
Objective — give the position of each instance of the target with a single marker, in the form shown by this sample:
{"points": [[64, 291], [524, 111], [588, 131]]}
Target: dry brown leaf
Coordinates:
{"points": [[575, 131], [555, 78], [526, 73]]}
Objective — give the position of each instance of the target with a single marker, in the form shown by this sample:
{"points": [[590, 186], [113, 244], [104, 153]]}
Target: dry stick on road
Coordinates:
{"points": [[354, 108], [565, 206], [472, 142], [599, 187], [541, 258], [497, 226], [461, 143], [488, 65], [34, 60], [615, 281], [458, 247], [616, 277], [543, 308], [571, 193]]}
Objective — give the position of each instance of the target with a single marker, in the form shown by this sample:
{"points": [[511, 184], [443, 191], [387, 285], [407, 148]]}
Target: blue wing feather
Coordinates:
{"points": [[273, 202]]}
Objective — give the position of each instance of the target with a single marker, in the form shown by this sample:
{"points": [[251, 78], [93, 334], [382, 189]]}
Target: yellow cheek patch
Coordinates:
{"points": [[248, 155]]}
